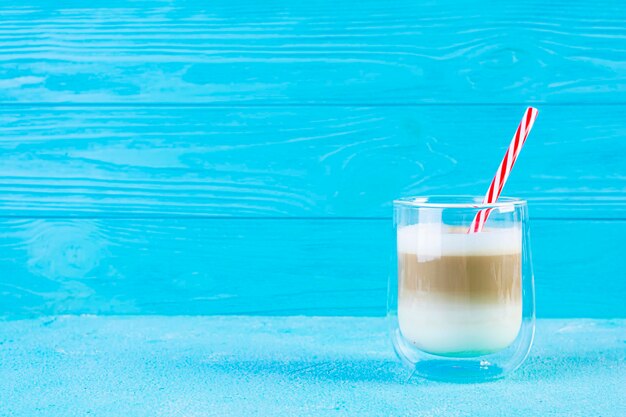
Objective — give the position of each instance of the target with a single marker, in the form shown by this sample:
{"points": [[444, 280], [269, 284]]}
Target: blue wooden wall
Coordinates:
{"points": [[239, 157]]}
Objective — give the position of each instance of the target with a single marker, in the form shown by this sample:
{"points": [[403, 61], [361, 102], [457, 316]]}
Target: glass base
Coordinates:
{"points": [[458, 371]]}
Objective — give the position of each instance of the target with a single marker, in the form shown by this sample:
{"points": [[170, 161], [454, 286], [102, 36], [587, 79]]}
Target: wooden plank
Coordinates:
{"points": [[326, 51], [267, 267], [301, 161]]}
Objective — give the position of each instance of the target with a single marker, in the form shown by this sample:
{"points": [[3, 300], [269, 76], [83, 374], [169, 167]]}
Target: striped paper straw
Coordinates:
{"points": [[505, 168]]}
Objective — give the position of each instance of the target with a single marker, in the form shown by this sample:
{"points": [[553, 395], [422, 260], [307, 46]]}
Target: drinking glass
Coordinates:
{"points": [[461, 306]]}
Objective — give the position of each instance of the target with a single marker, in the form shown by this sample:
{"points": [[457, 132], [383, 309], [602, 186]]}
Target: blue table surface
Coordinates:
{"points": [[205, 366]]}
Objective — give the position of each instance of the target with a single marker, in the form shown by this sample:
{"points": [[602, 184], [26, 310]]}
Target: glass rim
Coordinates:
{"points": [[456, 201]]}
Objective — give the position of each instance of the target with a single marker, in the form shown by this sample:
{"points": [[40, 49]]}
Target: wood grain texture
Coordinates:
{"points": [[267, 267], [129, 131], [302, 161], [327, 51]]}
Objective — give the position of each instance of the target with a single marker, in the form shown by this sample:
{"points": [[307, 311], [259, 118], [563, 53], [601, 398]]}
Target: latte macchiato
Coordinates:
{"points": [[459, 294]]}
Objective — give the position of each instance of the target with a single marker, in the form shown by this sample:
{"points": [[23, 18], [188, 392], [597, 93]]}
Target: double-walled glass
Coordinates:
{"points": [[461, 306]]}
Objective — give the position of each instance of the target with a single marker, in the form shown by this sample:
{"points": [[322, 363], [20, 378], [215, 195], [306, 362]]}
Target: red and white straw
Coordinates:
{"points": [[505, 168]]}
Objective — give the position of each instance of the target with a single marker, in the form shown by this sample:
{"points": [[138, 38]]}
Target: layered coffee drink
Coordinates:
{"points": [[459, 294]]}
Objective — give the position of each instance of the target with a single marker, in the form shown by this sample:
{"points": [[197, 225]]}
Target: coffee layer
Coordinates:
{"points": [[494, 278]]}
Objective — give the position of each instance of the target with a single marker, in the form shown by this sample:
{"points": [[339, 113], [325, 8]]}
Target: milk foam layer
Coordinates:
{"points": [[457, 324], [432, 240]]}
